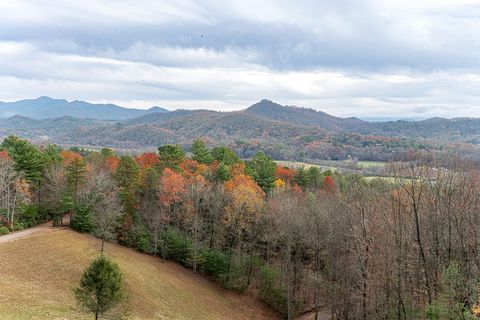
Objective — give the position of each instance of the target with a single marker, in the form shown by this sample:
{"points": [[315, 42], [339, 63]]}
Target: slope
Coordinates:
{"points": [[40, 271]]}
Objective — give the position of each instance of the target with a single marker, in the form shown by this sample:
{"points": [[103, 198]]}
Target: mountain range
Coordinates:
{"points": [[46, 107], [284, 132]]}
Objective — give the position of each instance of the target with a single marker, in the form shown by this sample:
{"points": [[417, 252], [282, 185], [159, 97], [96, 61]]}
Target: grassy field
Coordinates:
{"points": [[38, 274], [333, 164]]}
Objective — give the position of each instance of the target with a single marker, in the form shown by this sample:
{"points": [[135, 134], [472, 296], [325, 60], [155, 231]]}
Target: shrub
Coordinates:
{"points": [[178, 246], [213, 263], [82, 221], [4, 230], [270, 293]]}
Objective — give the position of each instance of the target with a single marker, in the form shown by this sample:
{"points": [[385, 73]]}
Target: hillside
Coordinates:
{"points": [[46, 107], [40, 271], [283, 132]]}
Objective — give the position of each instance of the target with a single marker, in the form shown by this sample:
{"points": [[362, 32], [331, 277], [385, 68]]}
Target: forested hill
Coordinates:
{"points": [[284, 132]]}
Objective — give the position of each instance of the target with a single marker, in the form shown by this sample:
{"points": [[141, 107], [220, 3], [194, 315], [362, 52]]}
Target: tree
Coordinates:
{"points": [[263, 168], [223, 172], [170, 156], [13, 189], [101, 287], [27, 158], [127, 177], [200, 152], [225, 155], [75, 173]]}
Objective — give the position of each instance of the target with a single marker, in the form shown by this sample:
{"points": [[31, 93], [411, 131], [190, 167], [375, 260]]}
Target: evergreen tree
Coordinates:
{"points": [[301, 177], [225, 155], [263, 168], [223, 172], [314, 177], [127, 176], [200, 152], [101, 287], [75, 173], [28, 159], [170, 156]]}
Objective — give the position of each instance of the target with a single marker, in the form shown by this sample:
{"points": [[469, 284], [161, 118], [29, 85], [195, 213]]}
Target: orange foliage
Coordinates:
{"points": [[247, 200], [329, 185], [112, 163], [172, 187], [69, 156], [286, 174], [4, 155], [147, 160], [238, 169]]}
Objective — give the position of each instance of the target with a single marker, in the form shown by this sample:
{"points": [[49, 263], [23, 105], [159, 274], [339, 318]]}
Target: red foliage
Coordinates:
{"points": [[147, 160], [4, 155], [329, 185], [286, 174]]}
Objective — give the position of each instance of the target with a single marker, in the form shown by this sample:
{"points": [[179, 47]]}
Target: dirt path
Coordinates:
{"points": [[47, 227]]}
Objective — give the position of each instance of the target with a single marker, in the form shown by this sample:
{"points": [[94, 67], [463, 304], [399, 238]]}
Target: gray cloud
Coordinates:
{"points": [[365, 58]]}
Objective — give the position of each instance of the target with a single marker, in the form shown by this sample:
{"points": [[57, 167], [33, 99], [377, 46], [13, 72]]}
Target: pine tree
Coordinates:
{"points": [[75, 173], [28, 159], [101, 287], [225, 155], [301, 177], [200, 152], [170, 156], [223, 172], [263, 168]]}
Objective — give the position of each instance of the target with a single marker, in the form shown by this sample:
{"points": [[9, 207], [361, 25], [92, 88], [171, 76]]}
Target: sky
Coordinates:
{"points": [[365, 58]]}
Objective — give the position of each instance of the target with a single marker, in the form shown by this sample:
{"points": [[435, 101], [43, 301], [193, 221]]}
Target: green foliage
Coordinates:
{"points": [[263, 168], [458, 295], [301, 177], [107, 152], [75, 173], [223, 172], [225, 155], [200, 152], [270, 293], [32, 215], [314, 177], [213, 263], [4, 230], [82, 221], [101, 287], [170, 156], [178, 245], [127, 176], [27, 158], [51, 154]]}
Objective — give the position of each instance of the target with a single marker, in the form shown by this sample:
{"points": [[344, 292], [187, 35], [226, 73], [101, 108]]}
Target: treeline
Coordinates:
{"points": [[302, 240]]}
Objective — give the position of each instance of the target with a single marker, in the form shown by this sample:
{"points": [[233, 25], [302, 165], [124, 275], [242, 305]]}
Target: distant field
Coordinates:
{"points": [[38, 273], [333, 164]]}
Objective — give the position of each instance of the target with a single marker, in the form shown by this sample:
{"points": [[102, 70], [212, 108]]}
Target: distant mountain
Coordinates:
{"points": [[45, 107], [303, 116], [283, 132]]}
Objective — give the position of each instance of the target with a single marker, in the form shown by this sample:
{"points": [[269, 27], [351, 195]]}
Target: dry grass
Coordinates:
{"points": [[38, 274]]}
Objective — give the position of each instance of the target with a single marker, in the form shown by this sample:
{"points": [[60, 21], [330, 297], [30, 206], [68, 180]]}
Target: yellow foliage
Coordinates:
{"points": [[279, 183]]}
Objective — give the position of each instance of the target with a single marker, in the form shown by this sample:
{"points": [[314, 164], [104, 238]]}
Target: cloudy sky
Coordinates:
{"points": [[368, 58]]}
